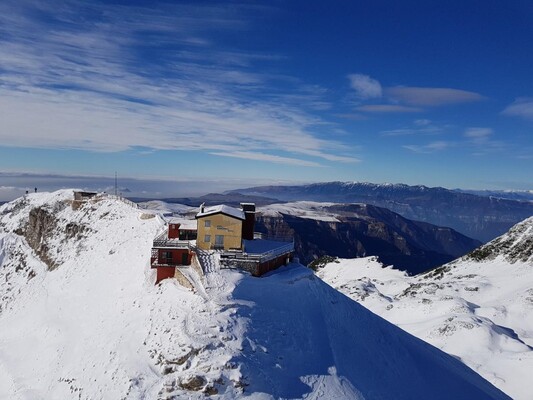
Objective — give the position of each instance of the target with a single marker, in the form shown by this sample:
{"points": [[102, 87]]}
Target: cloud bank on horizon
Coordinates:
{"points": [[195, 90]]}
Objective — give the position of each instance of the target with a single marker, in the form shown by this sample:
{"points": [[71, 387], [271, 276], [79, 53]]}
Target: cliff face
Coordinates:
{"points": [[44, 227], [360, 230], [515, 246]]}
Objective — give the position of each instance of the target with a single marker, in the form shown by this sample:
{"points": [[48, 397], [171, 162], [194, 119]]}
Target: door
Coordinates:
{"points": [[219, 241]]}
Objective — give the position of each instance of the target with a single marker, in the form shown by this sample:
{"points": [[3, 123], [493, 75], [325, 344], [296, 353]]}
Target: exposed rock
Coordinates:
{"points": [[194, 383], [361, 230], [42, 225], [516, 245]]}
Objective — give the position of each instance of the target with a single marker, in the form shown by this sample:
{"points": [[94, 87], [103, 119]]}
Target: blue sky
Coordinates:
{"points": [[235, 94]]}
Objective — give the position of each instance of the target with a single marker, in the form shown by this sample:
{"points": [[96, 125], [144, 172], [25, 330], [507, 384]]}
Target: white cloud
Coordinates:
{"points": [[422, 122], [420, 127], [429, 97], [521, 107], [429, 148], [479, 139], [249, 155], [388, 108], [478, 133], [81, 85], [365, 87]]}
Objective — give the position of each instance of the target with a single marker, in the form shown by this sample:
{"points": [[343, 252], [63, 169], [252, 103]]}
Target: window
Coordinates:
{"points": [[207, 238], [219, 240], [207, 223]]}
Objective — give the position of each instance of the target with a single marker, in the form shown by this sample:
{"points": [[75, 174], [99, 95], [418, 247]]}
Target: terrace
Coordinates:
{"points": [[162, 241]]}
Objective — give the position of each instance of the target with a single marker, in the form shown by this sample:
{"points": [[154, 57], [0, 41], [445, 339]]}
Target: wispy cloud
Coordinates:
{"points": [[422, 122], [429, 148], [365, 87], [388, 108], [404, 99], [420, 127], [481, 142], [478, 140], [111, 78], [479, 134], [249, 155], [416, 130], [521, 107], [431, 97]]}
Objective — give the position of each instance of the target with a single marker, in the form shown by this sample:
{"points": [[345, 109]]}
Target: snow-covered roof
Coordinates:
{"points": [[185, 224], [223, 209]]}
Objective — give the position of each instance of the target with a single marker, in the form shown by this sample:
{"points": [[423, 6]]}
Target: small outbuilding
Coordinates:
{"points": [[173, 248], [82, 196]]}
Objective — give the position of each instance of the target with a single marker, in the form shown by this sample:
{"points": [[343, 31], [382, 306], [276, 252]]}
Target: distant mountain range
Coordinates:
{"points": [[480, 217], [211, 199], [521, 195], [359, 230]]}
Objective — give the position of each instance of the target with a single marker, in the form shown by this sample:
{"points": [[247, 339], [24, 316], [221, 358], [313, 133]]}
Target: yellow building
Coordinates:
{"points": [[220, 227]]}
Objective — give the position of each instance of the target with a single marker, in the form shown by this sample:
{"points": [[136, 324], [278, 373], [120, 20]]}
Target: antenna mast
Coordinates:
{"points": [[115, 183]]}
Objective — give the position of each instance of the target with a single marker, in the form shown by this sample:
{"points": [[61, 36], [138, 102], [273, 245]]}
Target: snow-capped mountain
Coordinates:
{"points": [[356, 230], [479, 217], [522, 195], [478, 308], [81, 318]]}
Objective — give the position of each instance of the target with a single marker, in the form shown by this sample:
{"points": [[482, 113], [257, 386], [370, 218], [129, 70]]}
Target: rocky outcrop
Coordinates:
{"points": [[362, 230], [43, 225], [514, 246]]}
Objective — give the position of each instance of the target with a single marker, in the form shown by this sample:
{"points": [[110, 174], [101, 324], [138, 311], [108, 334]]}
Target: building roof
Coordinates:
{"points": [[185, 224], [222, 209]]}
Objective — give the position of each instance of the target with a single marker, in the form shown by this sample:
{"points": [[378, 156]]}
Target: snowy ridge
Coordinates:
{"points": [[162, 208], [303, 209], [515, 245], [478, 310], [95, 327]]}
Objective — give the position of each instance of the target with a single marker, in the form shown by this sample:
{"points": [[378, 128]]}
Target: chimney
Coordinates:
{"points": [[202, 207], [249, 222]]}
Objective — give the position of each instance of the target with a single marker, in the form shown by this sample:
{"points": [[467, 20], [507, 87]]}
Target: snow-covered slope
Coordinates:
{"points": [[163, 207], [303, 209], [478, 308], [89, 324]]}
